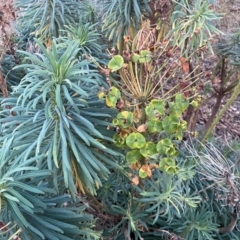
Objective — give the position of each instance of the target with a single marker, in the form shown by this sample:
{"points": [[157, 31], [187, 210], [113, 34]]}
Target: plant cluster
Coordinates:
{"points": [[98, 117], [155, 134]]}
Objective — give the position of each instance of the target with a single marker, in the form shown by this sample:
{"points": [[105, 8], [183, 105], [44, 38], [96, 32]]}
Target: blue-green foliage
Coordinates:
{"points": [[46, 17], [58, 118], [185, 205], [55, 134], [30, 203], [120, 15], [56, 141]]}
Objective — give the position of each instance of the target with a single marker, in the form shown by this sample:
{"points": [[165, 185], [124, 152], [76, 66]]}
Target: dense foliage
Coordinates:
{"points": [[98, 123]]}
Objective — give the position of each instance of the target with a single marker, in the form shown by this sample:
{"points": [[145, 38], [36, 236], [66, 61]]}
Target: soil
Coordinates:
{"points": [[229, 126]]}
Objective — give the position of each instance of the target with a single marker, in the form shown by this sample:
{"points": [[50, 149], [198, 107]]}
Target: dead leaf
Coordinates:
{"points": [[123, 133], [142, 128], [135, 166], [207, 74], [49, 43], [152, 48], [184, 64], [169, 52], [147, 169], [104, 71], [184, 86], [135, 180], [165, 41], [137, 114], [126, 38]]}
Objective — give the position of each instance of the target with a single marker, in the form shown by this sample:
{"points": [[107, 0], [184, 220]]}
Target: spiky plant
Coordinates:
{"points": [[143, 211], [88, 39], [186, 205], [122, 17], [55, 115], [31, 208], [217, 182], [47, 17], [193, 25], [56, 136], [221, 171]]}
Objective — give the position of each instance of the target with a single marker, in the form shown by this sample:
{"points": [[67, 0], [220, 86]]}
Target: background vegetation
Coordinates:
{"points": [[100, 120]]}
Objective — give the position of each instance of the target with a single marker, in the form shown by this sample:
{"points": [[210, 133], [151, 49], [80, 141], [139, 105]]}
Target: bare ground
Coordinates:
{"points": [[229, 126]]}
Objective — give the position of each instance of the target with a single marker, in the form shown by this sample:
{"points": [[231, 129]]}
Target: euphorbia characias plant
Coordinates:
{"points": [[162, 127]]}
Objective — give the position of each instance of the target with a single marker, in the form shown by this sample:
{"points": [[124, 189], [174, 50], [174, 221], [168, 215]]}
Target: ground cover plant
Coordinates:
{"points": [[99, 114]]}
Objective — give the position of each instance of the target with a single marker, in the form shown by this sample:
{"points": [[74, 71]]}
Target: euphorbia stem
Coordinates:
{"points": [[214, 111], [220, 96]]}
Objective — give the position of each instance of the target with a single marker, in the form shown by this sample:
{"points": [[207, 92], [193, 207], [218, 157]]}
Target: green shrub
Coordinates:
{"points": [[90, 156]]}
